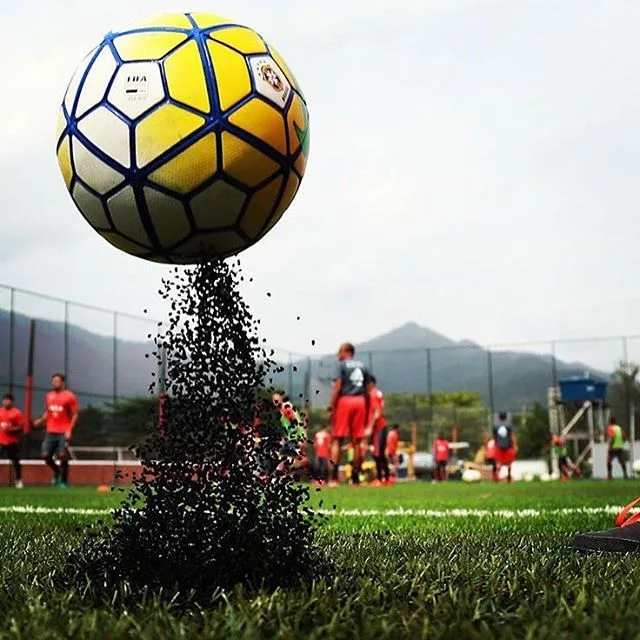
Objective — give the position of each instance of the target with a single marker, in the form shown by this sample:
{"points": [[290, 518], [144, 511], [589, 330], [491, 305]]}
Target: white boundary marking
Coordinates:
{"points": [[368, 513]]}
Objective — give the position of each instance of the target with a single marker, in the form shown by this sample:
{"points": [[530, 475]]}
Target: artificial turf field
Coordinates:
{"points": [[414, 561]]}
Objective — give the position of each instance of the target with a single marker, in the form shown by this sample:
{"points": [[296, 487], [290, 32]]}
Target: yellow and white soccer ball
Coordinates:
{"points": [[183, 136], [471, 475]]}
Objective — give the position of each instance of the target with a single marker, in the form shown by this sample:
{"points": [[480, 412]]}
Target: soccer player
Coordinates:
{"points": [[294, 434], [11, 423], [348, 409], [506, 446], [60, 418], [615, 436], [290, 419], [377, 430], [392, 451], [441, 456], [322, 452], [565, 465], [490, 455]]}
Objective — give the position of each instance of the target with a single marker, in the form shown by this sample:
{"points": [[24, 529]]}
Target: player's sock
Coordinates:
{"points": [[64, 471], [49, 461], [17, 469], [379, 468]]}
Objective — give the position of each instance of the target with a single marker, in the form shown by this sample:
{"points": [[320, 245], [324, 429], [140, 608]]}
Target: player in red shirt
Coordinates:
{"points": [[490, 456], [377, 431], [348, 409], [60, 416], [392, 451], [322, 453], [441, 456], [11, 424]]}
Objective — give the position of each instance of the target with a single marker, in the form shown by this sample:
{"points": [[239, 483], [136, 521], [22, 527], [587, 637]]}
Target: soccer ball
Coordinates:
{"points": [[471, 475], [183, 136]]}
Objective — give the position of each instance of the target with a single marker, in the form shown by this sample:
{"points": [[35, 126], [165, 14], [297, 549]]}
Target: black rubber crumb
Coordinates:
{"points": [[218, 505]]}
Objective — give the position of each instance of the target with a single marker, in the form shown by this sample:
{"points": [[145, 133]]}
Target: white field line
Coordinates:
{"points": [[369, 513]]}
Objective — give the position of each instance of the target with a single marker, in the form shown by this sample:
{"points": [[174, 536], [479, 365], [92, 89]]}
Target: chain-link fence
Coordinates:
{"points": [[507, 377], [105, 356]]}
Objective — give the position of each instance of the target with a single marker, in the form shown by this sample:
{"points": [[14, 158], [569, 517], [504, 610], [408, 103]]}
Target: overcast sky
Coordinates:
{"points": [[473, 168]]}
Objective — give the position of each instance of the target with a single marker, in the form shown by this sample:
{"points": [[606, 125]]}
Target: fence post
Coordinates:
{"points": [[628, 384], [632, 434], [429, 390], [12, 322], [307, 387], [115, 357], [66, 340], [490, 379]]}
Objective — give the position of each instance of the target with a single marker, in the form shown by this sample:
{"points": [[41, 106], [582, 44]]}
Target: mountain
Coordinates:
{"points": [[409, 336], [414, 359], [408, 359], [91, 368]]}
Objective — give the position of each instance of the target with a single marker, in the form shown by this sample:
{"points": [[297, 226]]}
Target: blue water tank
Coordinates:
{"points": [[582, 388]]}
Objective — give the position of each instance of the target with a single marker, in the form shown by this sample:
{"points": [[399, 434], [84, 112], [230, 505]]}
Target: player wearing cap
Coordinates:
{"points": [[60, 418], [11, 424], [348, 409], [565, 465]]}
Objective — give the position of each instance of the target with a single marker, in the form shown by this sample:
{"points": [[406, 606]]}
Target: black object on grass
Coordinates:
{"points": [[217, 505]]}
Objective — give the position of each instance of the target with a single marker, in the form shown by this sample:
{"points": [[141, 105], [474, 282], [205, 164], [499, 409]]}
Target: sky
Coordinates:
{"points": [[473, 168]]}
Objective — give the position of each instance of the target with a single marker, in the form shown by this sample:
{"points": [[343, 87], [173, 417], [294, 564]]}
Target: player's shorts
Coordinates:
{"points": [[505, 456], [441, 464], [9, 450], [322, 464], [54, 444], [619, 454], [350, 417]]}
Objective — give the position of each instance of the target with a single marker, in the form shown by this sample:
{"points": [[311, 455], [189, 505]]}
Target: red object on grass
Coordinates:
{"points": [[623, 521]]}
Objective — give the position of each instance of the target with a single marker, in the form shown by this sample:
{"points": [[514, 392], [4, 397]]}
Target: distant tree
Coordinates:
{"points": [[624, 392], [532, 429], [118, 424], [92, 426]]}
